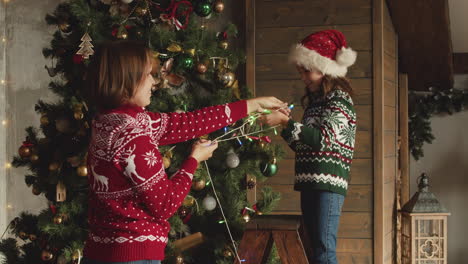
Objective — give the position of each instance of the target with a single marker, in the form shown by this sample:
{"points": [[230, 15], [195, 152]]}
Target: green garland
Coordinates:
{"points": [[423, 107]]}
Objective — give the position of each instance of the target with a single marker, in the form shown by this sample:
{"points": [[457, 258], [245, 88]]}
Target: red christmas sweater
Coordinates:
{"points": [[131, 196]]}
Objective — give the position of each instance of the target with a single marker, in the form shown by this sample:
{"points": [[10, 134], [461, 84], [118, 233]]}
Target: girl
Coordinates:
{"points": [[131, 197], [324, 140]]}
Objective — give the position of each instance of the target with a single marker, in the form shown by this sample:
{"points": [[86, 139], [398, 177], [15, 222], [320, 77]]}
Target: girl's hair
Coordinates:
{"points": [[328, 85], [115, 71]]}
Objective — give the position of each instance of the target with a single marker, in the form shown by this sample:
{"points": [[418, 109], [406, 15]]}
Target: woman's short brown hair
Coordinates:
{"points": [[115, 71]]}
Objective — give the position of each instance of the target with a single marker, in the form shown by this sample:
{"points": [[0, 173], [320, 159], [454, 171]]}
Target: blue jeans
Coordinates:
{"points": [[90, 261], [321, 212]]}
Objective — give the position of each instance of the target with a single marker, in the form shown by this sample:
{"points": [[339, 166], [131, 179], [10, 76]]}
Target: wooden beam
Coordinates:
{"points": [[425, 44], [460, 63]]}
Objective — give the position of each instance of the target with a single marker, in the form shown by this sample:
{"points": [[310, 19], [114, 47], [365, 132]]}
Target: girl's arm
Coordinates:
{"points": [[174, 127], [141, 163]]}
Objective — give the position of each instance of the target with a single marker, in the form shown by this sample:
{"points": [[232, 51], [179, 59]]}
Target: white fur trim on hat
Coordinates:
{"points": [[310, 59]]}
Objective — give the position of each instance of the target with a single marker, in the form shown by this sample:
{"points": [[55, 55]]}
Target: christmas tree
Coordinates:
{"points": [[197, 69]]}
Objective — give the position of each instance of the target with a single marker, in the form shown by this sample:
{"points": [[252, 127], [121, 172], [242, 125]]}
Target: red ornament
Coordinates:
{"points": [[187, 218], [78, 59], [53, 208]]}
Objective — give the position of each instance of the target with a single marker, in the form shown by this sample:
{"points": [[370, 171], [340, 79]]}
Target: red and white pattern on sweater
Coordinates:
{"points": [[131, 196]]}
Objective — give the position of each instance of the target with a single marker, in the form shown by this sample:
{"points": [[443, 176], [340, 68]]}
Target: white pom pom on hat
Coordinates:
{"points": [[325, 51]]}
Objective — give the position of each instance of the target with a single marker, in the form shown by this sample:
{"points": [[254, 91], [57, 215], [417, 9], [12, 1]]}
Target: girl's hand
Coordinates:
{"points": [[203, 149], [275, 118], [268, 102]]}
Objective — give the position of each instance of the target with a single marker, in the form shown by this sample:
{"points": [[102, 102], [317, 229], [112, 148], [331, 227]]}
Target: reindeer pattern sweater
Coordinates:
{"points": [[131, 197]]}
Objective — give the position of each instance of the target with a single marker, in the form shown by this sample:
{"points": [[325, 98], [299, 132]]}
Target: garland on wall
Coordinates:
{"points": [[424, 105]]}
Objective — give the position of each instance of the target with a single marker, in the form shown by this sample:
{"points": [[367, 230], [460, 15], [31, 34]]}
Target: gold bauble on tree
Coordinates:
{"points": [[47, 255], [23, 235], [32, 237], [227, 252], [189, 201], [36, 190], [58, 219], [224, 44], [201, 68], [44, 120], [78, 115], [24, 151], [141, 11], [179, 259], [82, 170], [64, 27], [218, 6], [166, 162], [199, 185], [53, 166], [34, 157]]}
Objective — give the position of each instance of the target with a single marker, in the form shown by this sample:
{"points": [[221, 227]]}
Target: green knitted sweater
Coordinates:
{"points": [[324, 143]]}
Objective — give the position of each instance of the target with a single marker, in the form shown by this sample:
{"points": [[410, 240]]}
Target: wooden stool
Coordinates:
{"points": [[284, 231]]}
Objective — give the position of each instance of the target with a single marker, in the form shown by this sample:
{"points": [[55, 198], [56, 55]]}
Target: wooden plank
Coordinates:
{"points": [[390, 68], [289, 247], [390, 142], [293, 90], [311, 13], [276, 67], [390, 93], [460, 63], [255, 246], [389, 207], [354, 251], [428, 33], [389, 253], [269, 222], [378, 149], [250, 32], [361, 172], [359, 198], [390, 169], [364, 117], [363, 146], [280, 40], [390, 42], [390, 116], [355, 225], [404, 137]]}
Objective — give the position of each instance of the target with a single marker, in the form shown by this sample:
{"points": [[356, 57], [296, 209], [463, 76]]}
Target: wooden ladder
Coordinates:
{"points": [[285, 231]]}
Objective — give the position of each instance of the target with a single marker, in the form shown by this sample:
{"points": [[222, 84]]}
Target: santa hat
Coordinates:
{"points": [[325, 51]]}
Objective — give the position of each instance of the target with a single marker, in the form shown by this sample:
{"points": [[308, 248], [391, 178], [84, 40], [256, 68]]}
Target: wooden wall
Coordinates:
{"points": [[278, 25], [386, 132]]}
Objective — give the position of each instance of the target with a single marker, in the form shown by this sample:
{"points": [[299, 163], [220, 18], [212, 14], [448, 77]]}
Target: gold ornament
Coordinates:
{"points": [[258, 212], [53, 166], [82, 170], [76, 255], [191, 52], [24, 151], [227, 253], [228, 78], [34, 158], [44, 120], [224, 44], [166, 162], [218, 6], [47, 255], [32, 237], [179, 259], [122, 34], [174, 48], [199, 185], [141, 11], [36, 190], [201, 68], [23, 235], [58, 219], [246, 217], [64, 27], [78, 115], [189, 201]]}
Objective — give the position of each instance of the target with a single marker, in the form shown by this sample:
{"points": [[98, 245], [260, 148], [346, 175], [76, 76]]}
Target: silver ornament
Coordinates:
{"points": [[209, 203], [126, 1], [232, 160]]}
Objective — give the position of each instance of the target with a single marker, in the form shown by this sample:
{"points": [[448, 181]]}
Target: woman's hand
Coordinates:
{"points": [[275, 118], [203, 149], [260, 103]]}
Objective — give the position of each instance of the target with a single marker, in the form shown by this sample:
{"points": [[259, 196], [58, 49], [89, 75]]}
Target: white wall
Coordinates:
{"points": [[27, 81], [446, 163], [3, 216]]}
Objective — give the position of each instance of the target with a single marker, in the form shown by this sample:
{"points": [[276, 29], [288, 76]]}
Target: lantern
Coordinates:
{"points": [[424, 227]]}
